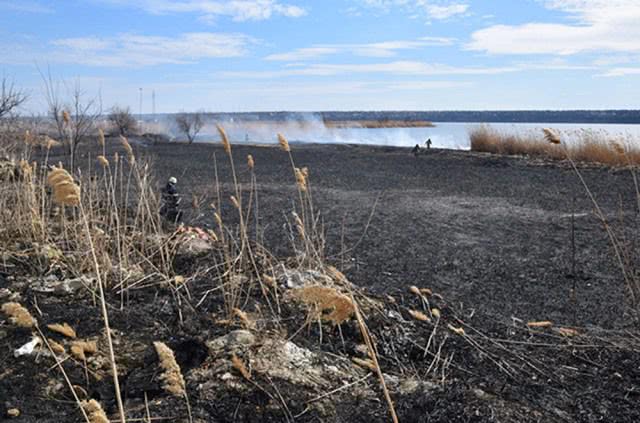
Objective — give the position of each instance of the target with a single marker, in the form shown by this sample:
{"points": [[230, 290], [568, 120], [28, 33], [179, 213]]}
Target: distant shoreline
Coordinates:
{"points": [[384, 123]]}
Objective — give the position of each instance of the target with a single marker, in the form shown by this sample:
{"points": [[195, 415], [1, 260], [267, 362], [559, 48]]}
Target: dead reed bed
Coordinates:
{"points": [[586, 146]]}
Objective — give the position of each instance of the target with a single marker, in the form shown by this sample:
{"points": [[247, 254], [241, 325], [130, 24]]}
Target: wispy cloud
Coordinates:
{"points": [[25, 6], [600, 25], [238, 10], [380, 49], [414, 68], [444, 12], [622, 71], [431, 9], [132, 50]]}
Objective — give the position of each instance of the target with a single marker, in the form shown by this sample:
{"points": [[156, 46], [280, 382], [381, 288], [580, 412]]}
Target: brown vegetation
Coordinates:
{"points": [[591, 147]]}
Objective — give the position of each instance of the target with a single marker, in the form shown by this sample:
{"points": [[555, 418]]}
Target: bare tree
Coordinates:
{"points": [[122, 119], [75, 119], [189, 124], [10, 97]]}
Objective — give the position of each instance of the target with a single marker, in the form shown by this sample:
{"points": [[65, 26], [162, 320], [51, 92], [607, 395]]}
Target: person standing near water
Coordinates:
{"points": [[428, 144]]}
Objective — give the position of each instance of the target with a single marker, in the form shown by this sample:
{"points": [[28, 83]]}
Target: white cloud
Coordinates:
{"points": [[413, 68], [238, 10], [445, 12], [145, 50], [381, 49], [596, 25], [433, 9]]}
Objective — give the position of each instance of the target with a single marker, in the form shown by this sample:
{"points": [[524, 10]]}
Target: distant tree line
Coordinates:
{"points": [[515, 116]]}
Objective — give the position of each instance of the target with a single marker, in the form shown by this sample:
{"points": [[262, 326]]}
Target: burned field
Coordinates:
{"points": [[486, 287]]}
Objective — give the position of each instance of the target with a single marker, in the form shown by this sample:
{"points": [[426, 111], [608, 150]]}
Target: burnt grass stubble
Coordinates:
{"points": [[490, 235]]}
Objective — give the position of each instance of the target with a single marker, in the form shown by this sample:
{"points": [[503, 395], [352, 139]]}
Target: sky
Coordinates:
{"points": [[304, 55]]}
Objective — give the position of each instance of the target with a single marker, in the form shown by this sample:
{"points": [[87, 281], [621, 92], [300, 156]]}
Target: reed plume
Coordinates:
{"points": [[127, 147], [103, 161], [94, 411], [418, 315], [225, 140], [18, 315], [325, 303], [284, 144], [171, 376], [301, 179], [55, 347], [101, 138], [551, 136], [50, 143], [63, 329], [235, 203], [250, 161], [541, 324], [65, 190], [80, 349], [66, 117]]}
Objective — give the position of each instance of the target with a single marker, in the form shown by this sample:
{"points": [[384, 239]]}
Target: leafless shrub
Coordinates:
{"points": [[123, 121], [189, 124]]}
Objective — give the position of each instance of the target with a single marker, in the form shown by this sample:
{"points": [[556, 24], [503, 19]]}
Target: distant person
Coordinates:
{"points": [[416, 150], [428, 144], [170, 209]]}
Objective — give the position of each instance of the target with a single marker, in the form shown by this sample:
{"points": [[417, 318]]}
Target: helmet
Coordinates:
{"points": [[173, 180]]}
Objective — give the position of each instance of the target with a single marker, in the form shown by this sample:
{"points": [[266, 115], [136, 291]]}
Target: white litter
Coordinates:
{"points": [[27, 349]]}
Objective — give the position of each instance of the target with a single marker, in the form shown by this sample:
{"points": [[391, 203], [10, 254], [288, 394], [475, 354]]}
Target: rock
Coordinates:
{"points": [[293, 278], [193, 246], [52, 285], [235, 340]]}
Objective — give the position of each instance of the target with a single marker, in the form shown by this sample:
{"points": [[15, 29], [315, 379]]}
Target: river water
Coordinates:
{"points": [[452, 135]]}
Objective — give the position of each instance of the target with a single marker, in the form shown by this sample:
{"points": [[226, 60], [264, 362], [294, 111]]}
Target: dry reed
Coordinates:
{"points": [[171, 375]]}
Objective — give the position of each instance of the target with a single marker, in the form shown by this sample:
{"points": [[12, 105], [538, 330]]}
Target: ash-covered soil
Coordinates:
{"points": [[490, 236]]}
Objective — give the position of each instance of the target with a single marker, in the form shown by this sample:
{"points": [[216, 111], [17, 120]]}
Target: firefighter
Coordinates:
{"points": [[170, 208]]}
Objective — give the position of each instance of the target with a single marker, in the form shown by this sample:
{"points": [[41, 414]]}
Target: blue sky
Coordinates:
{"points": [[255, 55]]}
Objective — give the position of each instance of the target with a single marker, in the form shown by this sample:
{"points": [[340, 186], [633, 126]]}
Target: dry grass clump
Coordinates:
{"points": [[63, 329], [325, 303], [590, 147], [94, 411], [65, 191], [18, 315], [171, 376]]}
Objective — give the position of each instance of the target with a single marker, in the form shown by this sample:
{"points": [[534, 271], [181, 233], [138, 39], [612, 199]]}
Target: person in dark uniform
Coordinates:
{"points": [[428, 143], [416, 150], [170, 208]]}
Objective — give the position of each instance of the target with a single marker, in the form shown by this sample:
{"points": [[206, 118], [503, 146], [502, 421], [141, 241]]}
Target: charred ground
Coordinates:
{"points": [[490, 235]]}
